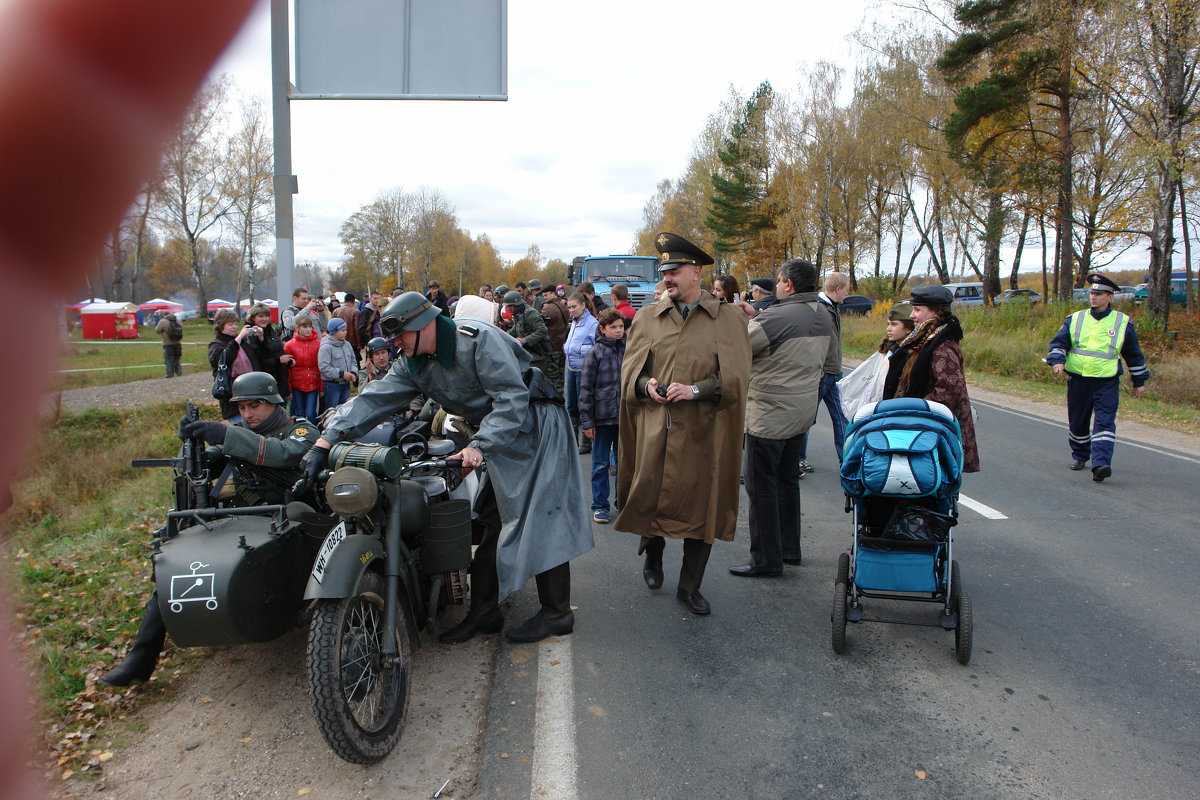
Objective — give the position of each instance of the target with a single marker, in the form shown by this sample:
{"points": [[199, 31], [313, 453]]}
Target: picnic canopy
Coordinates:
{"points": [[82, 303], [213, 305], [271, 304], [158, 304]]}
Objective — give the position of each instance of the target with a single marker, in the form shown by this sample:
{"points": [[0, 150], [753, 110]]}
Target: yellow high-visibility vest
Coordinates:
{"points": [[1096, 344]]}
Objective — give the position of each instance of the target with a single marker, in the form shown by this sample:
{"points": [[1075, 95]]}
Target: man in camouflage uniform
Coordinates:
{"points": [[256, 462], [528, 328]]}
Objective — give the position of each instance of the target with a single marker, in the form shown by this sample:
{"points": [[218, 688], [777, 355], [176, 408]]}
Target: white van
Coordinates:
{"points": [[966, 294]]}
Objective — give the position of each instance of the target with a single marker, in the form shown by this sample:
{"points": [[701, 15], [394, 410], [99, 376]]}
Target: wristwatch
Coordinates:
{"points": [[695, 392]]}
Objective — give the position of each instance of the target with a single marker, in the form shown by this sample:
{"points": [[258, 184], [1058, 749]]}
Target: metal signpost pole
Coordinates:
{"points": [[284, 182]]}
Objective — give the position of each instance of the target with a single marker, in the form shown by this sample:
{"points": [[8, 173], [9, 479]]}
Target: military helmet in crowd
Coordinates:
{"points": [[376, 344], [408, 312], [501, 290], [256, 386], [513, 298]]}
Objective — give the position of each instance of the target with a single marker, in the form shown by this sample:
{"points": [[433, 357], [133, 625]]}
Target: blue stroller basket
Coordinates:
{"points": [[901, 472]]}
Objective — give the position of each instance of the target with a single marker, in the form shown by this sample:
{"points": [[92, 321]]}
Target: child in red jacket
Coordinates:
{"points": [[303, 374]]}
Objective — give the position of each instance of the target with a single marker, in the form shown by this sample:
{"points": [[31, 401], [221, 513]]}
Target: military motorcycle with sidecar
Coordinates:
{"points": [[378, 559]]}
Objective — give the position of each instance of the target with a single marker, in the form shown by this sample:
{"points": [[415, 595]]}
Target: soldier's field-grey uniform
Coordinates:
{"points": [[477, 374]]}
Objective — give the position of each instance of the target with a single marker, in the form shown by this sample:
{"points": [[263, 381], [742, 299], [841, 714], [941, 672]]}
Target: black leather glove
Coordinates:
{"points": [[211, 432], [310, 467]]}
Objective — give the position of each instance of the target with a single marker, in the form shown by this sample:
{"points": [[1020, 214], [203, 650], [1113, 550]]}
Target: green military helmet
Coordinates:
{"points": [[501, 290], [376, 344], [514, 298], [535, 286], [408, 312], [256, 386]]}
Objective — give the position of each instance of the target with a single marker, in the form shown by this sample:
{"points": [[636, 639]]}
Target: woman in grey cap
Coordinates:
{"points": [[928, 364]]}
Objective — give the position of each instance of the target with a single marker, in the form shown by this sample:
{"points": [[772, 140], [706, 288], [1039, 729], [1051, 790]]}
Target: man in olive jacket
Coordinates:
{"points": [[683, 402], [791, 340]]}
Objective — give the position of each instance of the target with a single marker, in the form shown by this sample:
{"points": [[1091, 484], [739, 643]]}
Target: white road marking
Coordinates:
{"points": [[1062, 427], [554, 737], [980, 508]]}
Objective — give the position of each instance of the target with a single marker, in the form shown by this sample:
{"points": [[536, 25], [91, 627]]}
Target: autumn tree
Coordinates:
{"points": [[248, 184], [190, 198]]}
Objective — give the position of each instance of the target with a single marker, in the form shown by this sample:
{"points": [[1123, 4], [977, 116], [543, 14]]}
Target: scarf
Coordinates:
{"points": [[272, 424], [918, 348]]}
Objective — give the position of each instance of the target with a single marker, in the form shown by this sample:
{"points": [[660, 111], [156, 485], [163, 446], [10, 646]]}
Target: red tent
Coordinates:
{"points": [[109, 321]]}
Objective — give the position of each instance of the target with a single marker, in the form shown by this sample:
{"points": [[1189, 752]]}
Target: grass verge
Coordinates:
{"points": [[122, 360], [1004, 348], [76, 553]]}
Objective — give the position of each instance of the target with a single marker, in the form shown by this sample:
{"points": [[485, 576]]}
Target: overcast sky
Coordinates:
{"points": [[605, 100]]}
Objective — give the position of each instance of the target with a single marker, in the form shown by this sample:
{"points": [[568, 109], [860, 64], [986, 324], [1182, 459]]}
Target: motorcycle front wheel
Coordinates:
{"points": [[358, 697]]}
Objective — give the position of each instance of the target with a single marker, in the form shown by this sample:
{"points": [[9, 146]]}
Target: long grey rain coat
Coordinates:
{"points": [[526, 448]]}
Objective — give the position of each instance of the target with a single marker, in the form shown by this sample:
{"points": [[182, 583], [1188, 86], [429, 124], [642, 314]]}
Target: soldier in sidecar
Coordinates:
{"points": [[252, 463]]}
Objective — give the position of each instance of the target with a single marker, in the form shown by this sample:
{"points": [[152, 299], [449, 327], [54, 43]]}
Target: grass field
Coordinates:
{"points": [[1004, 348], [102, 363]]}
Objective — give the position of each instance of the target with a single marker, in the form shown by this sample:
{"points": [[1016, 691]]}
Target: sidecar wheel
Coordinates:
{"points": [[358, 700]]}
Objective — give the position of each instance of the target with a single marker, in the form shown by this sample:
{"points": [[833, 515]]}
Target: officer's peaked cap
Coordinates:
{"points": [[1100, 283], [674, 250]]}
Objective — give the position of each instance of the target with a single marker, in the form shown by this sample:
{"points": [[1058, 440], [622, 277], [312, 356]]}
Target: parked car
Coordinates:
{"points": [[1018, 296], [966, 294], [857, 305], [1125, 294], [1178, 289], [1079, 295]]}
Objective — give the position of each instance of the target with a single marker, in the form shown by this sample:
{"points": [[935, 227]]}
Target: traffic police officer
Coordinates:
{"points": [[476, 371], [256, 460], [1088, 348]]}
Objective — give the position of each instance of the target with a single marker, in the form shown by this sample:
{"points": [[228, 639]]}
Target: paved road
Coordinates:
{"points": [[1085, 681]]}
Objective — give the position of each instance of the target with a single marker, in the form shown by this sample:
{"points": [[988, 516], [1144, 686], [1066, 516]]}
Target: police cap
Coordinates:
{"points": [[256, 386], [1100, 283], [674, 250], [930, 295], [408, 312]]}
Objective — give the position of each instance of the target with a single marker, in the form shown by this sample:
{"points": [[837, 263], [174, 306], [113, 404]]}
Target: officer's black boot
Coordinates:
{"points": [[652, 572], [485, 615], [139, 664], [555, 617]]}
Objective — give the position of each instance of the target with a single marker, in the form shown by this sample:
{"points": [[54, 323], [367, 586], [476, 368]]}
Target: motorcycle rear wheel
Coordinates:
{"points": [[359, 700]]}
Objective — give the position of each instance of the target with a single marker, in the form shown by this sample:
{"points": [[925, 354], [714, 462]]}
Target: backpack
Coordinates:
{"points": [[174, 330], [902, 448]]}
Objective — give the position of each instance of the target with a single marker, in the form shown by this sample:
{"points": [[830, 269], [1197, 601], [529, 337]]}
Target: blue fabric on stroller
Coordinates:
{"points": [[903, 448]]}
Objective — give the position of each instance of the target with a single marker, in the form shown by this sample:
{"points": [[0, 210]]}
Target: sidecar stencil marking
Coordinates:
{"points": [[194, 588], [327, 547]]}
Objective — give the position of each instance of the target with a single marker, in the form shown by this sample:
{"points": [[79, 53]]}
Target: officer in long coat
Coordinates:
{"points": [[1088, 347], [683, 404], [532, 506], [255, 461]]}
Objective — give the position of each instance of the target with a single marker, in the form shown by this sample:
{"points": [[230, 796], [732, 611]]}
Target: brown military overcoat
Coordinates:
{"points": [[679, 463]]}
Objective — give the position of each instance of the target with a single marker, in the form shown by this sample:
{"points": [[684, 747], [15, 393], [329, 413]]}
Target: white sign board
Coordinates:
{"points": [[401, 49]]}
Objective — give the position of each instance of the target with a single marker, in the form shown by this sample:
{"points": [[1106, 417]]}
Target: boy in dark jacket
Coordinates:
{"points": [[600, 403]]}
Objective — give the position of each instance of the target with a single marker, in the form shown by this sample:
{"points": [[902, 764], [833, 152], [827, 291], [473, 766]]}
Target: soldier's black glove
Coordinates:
{"points": [[211, 432], [310, 467]]}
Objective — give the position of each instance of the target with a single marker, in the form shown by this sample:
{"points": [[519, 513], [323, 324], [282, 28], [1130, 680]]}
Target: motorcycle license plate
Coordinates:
{"points": [[327, 547]]}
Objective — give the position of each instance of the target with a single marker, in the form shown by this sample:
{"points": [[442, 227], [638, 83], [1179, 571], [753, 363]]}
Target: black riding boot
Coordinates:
{"points": [[139, 664], [653, 547], [555, 617], [485, 615]]}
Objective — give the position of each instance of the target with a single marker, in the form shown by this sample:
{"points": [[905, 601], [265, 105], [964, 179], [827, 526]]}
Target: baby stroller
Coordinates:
{"points": [[901, 471]]}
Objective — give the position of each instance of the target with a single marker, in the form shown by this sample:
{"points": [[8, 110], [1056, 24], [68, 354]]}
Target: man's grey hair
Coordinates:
{"points": [[801, 273]]}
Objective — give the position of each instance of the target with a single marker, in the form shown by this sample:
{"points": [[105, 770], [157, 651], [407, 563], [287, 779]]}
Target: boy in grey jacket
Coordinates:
{"points": [[338, 364]]}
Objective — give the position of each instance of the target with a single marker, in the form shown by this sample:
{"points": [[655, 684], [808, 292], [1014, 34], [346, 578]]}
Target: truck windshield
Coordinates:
{"points": [[627, 268]]}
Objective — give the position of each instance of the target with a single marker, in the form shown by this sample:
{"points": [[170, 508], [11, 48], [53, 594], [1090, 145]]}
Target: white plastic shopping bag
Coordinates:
{"points": [[863, 385]]}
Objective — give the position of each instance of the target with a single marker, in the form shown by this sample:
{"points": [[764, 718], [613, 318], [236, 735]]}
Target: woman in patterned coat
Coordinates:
{"points": [[929, 364]]}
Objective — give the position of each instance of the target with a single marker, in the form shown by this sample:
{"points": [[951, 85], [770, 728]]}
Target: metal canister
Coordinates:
{"points": [[380, 460], [447, 543]]}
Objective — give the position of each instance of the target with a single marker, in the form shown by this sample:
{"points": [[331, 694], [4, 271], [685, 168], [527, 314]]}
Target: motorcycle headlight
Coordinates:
{"points": [[351, 491]]}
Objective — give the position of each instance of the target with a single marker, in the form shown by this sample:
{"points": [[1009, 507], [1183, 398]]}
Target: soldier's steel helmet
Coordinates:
{"points": [[408, 312], [376, 344], [256, 386], [514, 298], [501, 290]]}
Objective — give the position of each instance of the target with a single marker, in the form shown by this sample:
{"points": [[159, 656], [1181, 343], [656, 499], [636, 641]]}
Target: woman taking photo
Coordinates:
{"points": [[929, 363], [265, 348]]}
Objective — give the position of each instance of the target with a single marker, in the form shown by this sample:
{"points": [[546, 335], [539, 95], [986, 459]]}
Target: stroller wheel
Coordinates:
{"points": [[843, 573], [965, 630], [838, 618]]}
